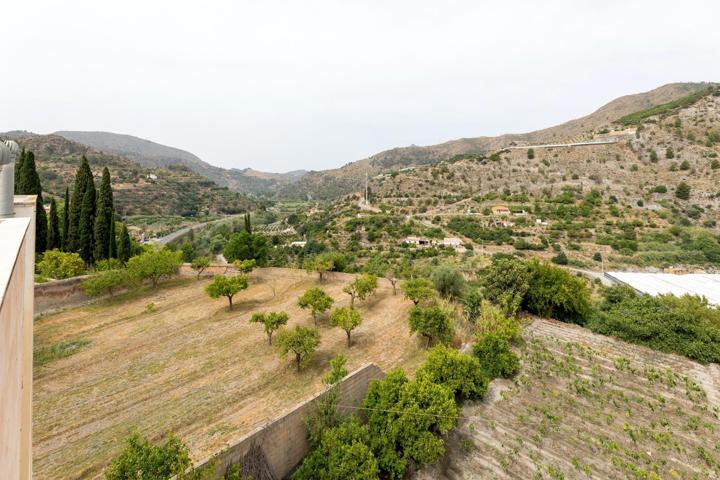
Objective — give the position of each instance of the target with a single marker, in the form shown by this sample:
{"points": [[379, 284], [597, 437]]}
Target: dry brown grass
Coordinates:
{"points": [[190, 367]]}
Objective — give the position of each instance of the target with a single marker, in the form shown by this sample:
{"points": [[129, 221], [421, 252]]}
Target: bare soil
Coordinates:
{"points": [[191, 367]]}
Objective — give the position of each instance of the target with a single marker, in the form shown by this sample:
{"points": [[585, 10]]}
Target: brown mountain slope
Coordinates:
{"points": [[329, 184], [174, 190]]}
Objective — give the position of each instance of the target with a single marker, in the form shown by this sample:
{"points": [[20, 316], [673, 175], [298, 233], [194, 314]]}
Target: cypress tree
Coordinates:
{"points": [[18, 167], [65, 220], [29, 184], [248, 225], [53, 236], [87, 223], [103, 218], [124, 247], [82, 178]]}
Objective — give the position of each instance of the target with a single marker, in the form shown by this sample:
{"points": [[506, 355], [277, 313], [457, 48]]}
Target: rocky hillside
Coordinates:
{"points": [[151, 154], [171, 190], [329, 184]]}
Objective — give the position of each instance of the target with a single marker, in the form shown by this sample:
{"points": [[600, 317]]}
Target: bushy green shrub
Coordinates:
{"points": [[495, 357], [448, 282], [141, 459], [555, 292], [431, 322], [461, 373], [506, 282], [59, 265]]}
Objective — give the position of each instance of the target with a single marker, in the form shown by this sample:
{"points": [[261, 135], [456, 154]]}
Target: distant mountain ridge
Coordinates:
{"points": [[152, 154]]}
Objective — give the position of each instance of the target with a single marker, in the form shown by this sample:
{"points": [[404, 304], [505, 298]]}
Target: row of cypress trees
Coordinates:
{"points": [[87, 225]]}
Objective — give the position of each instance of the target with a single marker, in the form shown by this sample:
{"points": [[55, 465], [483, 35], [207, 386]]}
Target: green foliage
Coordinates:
{"points": [[301, 341], [653, 156], [473, 229], [104, 218], [686, 101], [342, 453], [108, 264], [506, 282], [472, 304], [496, 358], [324, 262], [338, 370], [155, 264], [560, 259], [246, 246], [462, 374], [245, 266], [28, 183], [199, 264], [53, 232], [555, 292], [347, 318], [108, 282], [271, 321], [124, 251], [669, 153], [223, 286], [449, 282], [86, 224], [684, 325], [431, 322], [142, 460], [493, 320], [530, 154], [42, 355], [682, 191], [417, 289], [316, 300], [65, 221], [406, 422], [362, 287], [59, 265]]}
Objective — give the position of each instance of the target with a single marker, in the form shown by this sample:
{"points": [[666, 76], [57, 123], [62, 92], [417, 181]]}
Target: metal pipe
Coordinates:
{"points": [[8, 153]]}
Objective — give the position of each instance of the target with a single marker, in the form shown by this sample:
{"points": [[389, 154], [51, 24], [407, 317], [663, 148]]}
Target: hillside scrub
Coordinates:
{"points": [[684, 325], [686, 101]]}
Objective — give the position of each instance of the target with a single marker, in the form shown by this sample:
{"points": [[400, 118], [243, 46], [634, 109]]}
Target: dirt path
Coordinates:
{"points": [[190, 367]]}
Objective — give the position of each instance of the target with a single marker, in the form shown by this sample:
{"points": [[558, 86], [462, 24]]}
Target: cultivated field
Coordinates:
{"points": [[190, 367], [588, 406]]}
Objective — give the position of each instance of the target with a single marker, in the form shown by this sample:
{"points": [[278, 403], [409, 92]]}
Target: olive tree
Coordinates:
{"points": [[199, 264], [301, 341], [347, 319], [155, 264], [360, 288], [271, 321], [223, 286], [316, 300]]}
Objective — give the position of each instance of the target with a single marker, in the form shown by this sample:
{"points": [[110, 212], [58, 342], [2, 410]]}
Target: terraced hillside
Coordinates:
{"points": [[588, 406], [176, 190]]}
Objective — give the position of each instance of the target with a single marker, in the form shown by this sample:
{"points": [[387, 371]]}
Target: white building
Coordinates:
{"points": [[451, 242]]}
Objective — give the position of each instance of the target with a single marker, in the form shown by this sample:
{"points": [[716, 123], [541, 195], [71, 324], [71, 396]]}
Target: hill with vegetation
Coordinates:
{"points": [[169, 190], [155, 155]]}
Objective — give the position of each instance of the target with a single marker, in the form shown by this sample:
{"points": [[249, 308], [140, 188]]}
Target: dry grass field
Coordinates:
{"points": [[588, 406], [190, 367]]}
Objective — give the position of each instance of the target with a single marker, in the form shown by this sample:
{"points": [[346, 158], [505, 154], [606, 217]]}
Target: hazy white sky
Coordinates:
{"points": [[283, 85]]}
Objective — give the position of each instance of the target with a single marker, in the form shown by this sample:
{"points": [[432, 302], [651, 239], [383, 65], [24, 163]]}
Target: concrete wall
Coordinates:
{"points": [[283, 441], [17, 242]]}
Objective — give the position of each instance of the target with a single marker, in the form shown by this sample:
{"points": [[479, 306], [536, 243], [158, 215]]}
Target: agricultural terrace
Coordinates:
{"points": [[589, 406], [187, 365]]}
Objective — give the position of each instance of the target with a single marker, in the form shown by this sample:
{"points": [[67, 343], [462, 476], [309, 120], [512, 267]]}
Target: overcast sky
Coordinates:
{"points": [[280, 85]]}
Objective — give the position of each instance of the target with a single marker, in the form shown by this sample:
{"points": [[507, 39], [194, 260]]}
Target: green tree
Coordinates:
{"points": [[472, 304], [530, 154], [432, 322], [113, 237], [448, 282], [321, 263], [83, 178], [53, 236], [407, 421], [65, 221], [343, 453], [18, 168], [417, 289], [496, 358], [108, 282], [124, 251], [104, 218], [271, 321], [316, 300], [682, 191], [362, 287], [555, 292], [142, 460], [248, 224], [653, 156], [506, 282], [59, 265], [337, 371], [29, 184], [560, 259], [245, 266], [199, 264], [246, 246], [669, 153], [347, 319], [87, 223], [154, 264], [301, 341], [459, 372], [223, 286]]}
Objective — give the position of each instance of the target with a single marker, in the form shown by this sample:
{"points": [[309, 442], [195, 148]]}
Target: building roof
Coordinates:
{"points": [[703, 284]]}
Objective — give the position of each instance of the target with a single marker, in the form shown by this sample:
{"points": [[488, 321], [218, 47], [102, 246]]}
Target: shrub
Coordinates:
{"points": [[58, 265], [493, 320], [141, 459], [669, 153], [433, 323], [653, 156], [108, 281], [682, 191], [506, 282], [554, 292], [597, 257], [496, 358], [460, 373], [530, 154], [448, 282], [472, 305], [246, 246], [684, 325], [560, 259]]}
